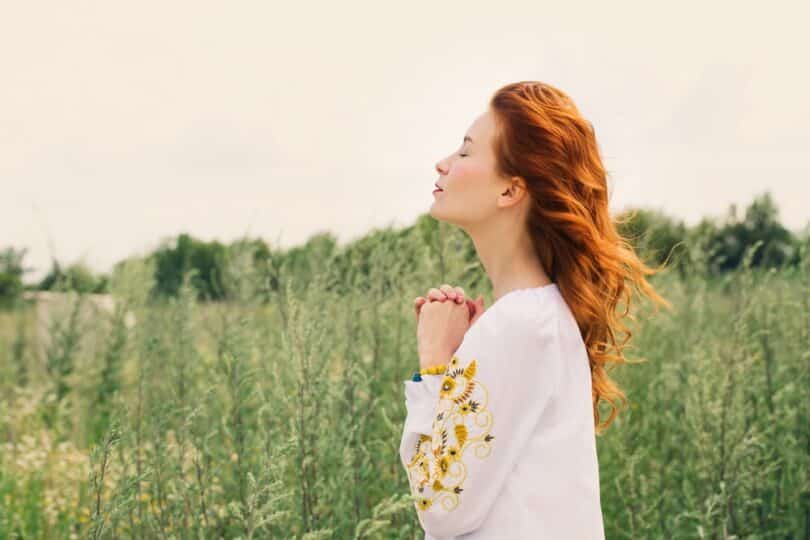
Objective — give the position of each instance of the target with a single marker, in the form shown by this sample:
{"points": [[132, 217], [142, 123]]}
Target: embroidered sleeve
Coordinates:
{"points": [[465, 430]]}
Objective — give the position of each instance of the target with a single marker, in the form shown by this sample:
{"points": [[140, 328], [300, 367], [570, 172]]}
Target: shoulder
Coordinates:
{"points": [[521, 332], [525, 310], [522, 317]]}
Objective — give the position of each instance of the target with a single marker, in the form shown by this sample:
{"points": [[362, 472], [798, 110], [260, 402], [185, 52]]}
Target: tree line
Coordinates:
{"points": [[711, 247]]}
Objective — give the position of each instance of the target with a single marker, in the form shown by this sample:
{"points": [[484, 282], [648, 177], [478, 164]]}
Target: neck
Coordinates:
{"points": [[509, 259]]}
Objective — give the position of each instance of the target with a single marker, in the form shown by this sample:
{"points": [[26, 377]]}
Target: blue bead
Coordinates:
{"points": [[416, 376]]}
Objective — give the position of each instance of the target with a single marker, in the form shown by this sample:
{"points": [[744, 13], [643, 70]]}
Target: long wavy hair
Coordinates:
{"points": [[542, 137]]}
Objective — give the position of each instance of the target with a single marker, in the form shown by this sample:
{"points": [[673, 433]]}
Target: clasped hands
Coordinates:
{"points": [[442, 320]]}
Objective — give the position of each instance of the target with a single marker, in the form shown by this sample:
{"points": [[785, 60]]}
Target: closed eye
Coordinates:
{"points": [[462, 155]]}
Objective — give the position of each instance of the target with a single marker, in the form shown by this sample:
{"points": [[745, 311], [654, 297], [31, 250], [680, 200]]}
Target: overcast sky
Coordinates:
{"points": [[122, 123]]}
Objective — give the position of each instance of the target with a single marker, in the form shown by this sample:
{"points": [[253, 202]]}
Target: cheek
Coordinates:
{"points": [[468, 171], [477, 180]]}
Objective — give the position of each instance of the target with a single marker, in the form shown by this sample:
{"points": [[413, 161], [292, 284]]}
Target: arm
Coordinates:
{"points": [[466, 430]]}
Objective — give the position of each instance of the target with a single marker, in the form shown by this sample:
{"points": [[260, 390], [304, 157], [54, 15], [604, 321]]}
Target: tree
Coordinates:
{"points": [[728, 242], [11, 275], [76, 277]]}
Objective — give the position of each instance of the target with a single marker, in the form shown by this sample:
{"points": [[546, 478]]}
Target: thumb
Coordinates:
{"points": [[477, 308], [470, 307]]}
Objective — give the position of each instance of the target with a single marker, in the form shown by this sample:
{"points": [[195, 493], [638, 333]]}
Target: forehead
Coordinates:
{"points": [[482, 127]]}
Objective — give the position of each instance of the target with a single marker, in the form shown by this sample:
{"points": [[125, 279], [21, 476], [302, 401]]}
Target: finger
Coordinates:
{"points": [[448, 291], [436, 294], [418, 303], [454, 293]]}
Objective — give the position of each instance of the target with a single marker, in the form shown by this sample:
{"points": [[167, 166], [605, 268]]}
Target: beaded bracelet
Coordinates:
{"points": [[432, 370]]}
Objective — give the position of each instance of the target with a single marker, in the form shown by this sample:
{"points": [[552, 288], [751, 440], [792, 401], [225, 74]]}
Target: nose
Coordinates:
{"points": [[440, 167]]}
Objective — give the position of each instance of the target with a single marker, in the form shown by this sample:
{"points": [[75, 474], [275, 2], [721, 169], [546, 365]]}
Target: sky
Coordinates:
{"points": [[125, 123]]}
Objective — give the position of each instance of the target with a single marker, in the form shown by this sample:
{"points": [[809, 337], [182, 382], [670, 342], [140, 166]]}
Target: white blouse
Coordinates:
{"points": [[503, 444]]}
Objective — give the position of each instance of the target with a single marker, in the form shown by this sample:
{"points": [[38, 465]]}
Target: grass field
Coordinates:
{"points": [[283, 420]]}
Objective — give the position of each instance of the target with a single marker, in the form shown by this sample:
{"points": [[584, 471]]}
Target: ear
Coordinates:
{"points": [[516, 190]]}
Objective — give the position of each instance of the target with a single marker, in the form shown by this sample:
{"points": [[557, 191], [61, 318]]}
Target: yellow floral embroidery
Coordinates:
{"points": [[438, 468], [448, 383], [423, 503]]}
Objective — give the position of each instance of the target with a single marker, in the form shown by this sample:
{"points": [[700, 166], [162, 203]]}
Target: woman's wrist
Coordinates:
{"points": [[431, 363], [432, 359], [432, 370]]}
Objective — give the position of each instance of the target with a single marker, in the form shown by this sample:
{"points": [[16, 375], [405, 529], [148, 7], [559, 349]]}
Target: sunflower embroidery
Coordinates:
{"points": [[448, 384], [423, 503], [461, 432]]}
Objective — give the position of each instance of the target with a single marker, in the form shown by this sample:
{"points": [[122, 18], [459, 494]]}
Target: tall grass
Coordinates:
{"points": [[282, 420]]}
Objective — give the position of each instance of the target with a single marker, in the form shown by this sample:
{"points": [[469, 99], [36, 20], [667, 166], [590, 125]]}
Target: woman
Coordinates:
{"points": [[499, 438]]}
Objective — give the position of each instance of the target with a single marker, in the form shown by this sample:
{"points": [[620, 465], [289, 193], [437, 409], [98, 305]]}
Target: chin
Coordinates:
{"points": [[438, 215]]}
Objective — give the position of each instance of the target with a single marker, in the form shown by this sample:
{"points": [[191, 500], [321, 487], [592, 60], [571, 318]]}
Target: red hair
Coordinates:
{"points": [[542, 137]]}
